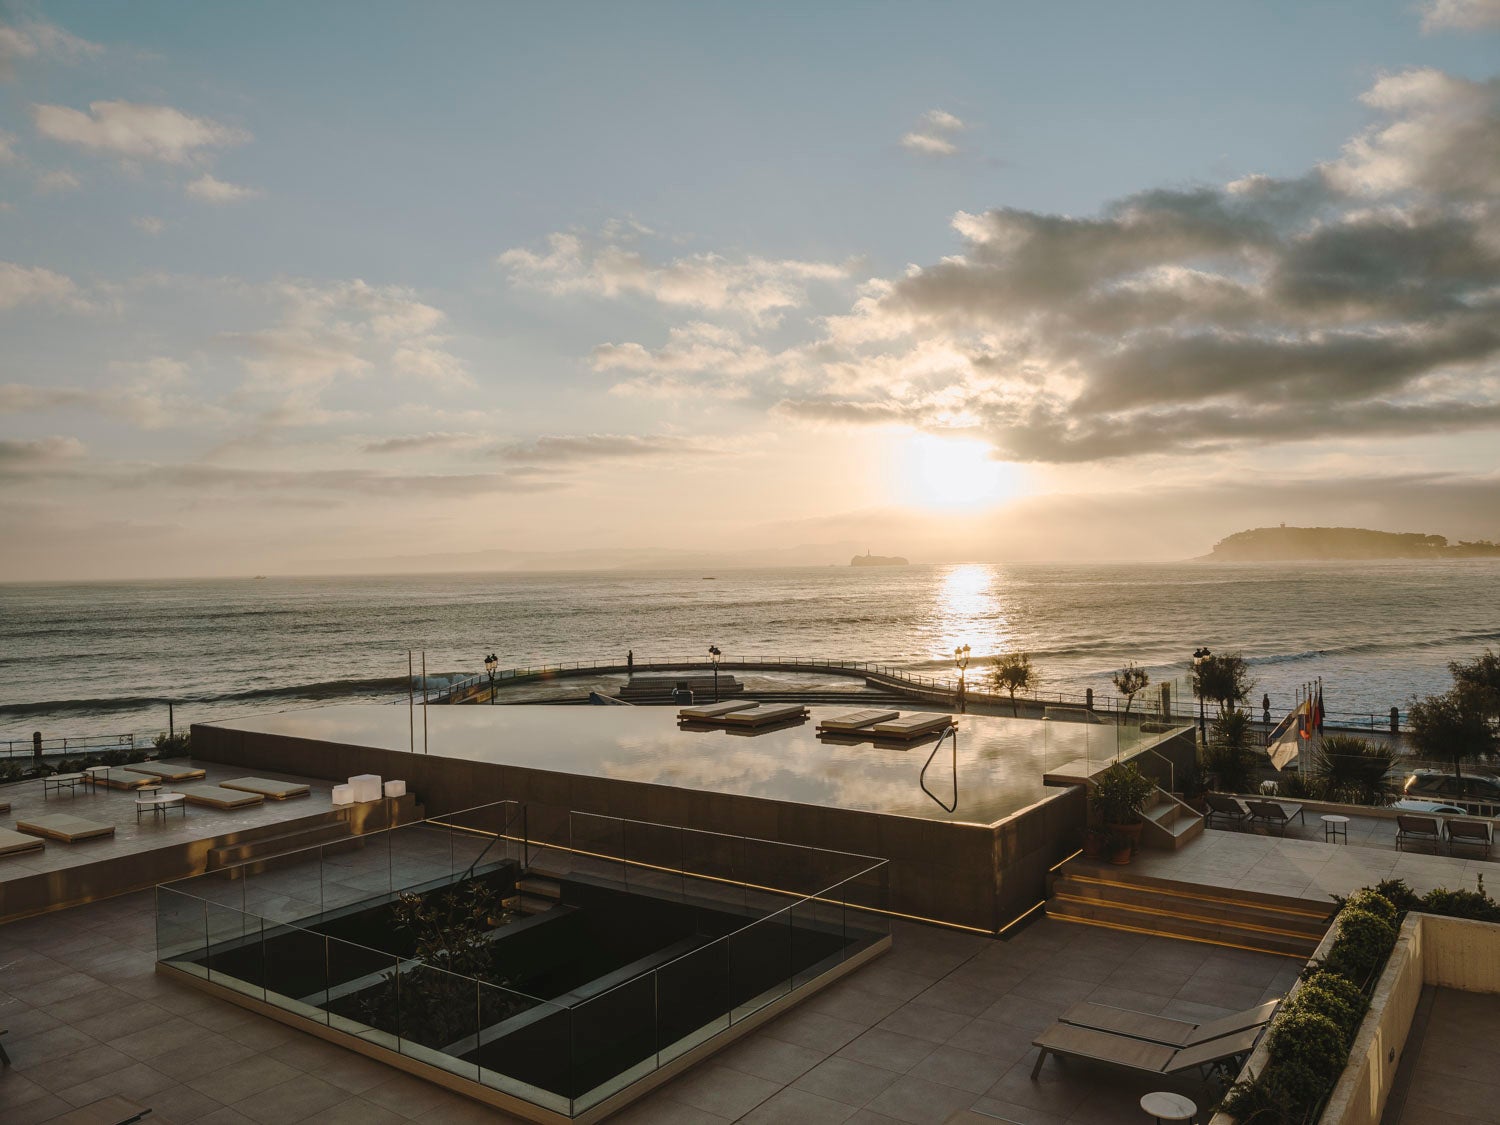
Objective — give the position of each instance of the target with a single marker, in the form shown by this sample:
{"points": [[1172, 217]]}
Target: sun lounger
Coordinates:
{"points": [[61, 826], [165, 771], [12, 843], [856, 720], [1466, 833], [1274, 813], [1418, 829], [117, 778], [711, 711], [1064, 1040], [916, 725], [1161, 1029], [274, 790], [4, 806], [1228, 808], [760, 716], [218, 798]]}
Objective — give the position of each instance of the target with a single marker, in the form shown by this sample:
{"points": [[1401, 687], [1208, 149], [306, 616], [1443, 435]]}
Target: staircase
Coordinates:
{"points": [[1099, 894], [1169, 824], [538, 894]]}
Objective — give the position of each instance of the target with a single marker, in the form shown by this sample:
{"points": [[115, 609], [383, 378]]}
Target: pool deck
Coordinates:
{"points": [[941, 1024]]}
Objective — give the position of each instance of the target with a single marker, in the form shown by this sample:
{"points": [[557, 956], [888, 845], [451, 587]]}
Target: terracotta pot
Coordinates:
{"points": [[1120, 856]]}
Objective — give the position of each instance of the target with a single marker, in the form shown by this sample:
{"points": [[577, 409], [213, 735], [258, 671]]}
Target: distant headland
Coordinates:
{"points": [[1300, 544], [868, 559]]}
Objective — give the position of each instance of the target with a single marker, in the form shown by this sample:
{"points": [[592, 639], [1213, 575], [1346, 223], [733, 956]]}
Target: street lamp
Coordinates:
{"points": [[1200, 655], [491, 663], [961, 662], [715, 655]]}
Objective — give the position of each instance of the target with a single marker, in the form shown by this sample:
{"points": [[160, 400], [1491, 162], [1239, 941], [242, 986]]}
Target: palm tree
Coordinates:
{"points": [[1012, 672], [1129, 681], [1352, 770]]}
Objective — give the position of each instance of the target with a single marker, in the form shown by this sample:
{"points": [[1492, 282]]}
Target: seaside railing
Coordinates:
{"points": [[61, 747]]}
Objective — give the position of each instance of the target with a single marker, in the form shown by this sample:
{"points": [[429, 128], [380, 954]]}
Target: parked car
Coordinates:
{"points": [[1433, 784], [1436, 808]]}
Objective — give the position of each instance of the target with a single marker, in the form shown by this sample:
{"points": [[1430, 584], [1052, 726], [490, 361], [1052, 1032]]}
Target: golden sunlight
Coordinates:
{"points": [[940, 472]]}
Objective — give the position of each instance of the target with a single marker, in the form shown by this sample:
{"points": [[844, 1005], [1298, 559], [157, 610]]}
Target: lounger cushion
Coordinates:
{"points": [[856, 720], [12, 842], [277, 790], [913, 726], [759, 716], [166, 771], [62, 826], [216, 797], [120, 779]]}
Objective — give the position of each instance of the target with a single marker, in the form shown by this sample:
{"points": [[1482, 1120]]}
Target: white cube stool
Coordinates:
{"points": [[366, 786], [343, 795], [395, 788]]}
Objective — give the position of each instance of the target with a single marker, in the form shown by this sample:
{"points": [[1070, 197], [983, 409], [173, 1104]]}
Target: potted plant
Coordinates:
{"points": [[1118, 848], [1118, 796], [1093, 842]]}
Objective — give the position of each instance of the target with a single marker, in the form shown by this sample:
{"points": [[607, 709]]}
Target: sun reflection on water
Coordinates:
{"points": [[969, 611]]}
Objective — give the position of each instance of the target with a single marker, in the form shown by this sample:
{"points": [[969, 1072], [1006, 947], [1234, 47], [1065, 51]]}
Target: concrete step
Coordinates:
{"points": [[1097, 894], [534, 904], [282, 842], [538, 887]]}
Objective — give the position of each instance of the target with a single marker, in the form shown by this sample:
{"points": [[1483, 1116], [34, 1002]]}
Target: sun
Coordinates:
{"points": [[951, 473]]}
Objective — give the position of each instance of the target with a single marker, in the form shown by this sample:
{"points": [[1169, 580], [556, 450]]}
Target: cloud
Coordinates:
{"points": [[7, 147], [563, 449], [37, 39], [148, 224], [1360, 299], [24, 458], [611, 265], [420, 443], [153, 394], [57, 180], [934, 135], [207, 189], [34, 285], [133, 131], [1460, 15]]}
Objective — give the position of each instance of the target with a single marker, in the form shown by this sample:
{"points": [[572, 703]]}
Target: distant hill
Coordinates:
{"points": [[868, 559], [1292, 544]]}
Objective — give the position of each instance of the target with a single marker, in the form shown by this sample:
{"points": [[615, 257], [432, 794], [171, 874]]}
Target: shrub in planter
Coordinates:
{"points": [[1460, 904], [1374, 902], [1328, 994], [1365, 940], [1120, 793]]}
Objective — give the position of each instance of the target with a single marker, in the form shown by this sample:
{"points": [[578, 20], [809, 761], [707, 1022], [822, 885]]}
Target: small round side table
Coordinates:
{"points": [[1334, 827], [1165, 1106]]}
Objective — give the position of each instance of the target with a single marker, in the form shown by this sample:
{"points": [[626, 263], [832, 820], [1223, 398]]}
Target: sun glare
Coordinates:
{"points": [[939, 472]]}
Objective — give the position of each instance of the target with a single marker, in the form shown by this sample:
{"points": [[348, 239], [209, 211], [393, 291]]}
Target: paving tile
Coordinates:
{"points": [[924, 1021], [229, 1084], [137, 1081], [356, 1111], [887, 1049], [293, 1100], [722, 1091], [919, 1101], [813, 1029], [772, 1059], [798, 1107], [846, 1080], [963, 1070]]}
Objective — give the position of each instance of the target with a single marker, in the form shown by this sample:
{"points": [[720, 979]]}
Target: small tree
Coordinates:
{"points": [[1481, 678], [1452, 727], [1225, 679], [1230, 752], [1012, 672], [1129, 681]]}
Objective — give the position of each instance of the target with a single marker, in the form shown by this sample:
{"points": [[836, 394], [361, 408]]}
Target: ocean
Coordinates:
{"points": [[105, 658]]}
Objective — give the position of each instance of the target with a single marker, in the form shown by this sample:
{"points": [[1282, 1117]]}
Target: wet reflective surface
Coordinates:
{"points": [[1000, 760]]}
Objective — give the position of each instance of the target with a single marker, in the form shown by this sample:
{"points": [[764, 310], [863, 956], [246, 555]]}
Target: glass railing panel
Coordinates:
{"points": [[599, 847], [181, 927], [715, 859], [355, 871], [525, 1047], [236, 957], [296, 970], [421, 855], [434, 1015], [692, 999], [653, 853], [614, 1037], [817, 938], [760, 959]]}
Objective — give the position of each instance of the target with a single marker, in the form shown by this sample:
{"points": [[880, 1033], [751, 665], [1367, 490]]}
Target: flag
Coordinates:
{"points": [[1318, 712]]}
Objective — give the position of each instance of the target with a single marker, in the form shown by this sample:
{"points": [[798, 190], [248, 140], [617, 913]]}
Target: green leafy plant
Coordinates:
{"points": [[1225, 679], [173, 745], [1352, 770], [1229, 754], [1130, 681], [1453, 727], [1364, 941], [1012, 672], [1120, 793]]}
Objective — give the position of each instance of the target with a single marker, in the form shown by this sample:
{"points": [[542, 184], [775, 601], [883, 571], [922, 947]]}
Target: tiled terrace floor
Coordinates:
{"points": [[944, 1022], [1301, 865], [1451, 1071]]}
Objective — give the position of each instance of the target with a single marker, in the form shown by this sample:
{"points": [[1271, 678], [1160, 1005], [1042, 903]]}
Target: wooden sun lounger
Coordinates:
{"points": [[117, 779], [13, 843], [760, 716], [915, 725], [274, 790], [1231, 809], [712, 711], [165, 771], [1275, 812], [1468, 833], [856, 720], [1064, 1040], [1161, 1029], [4, 806], [61, 826], [215, 797]]}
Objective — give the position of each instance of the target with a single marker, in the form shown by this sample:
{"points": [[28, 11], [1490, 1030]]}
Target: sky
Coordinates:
{"points": [[292, 288]]}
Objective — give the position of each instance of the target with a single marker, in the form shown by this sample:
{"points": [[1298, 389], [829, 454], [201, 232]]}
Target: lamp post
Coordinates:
{"points": [[491, 663], [961, 662], [1199, 656], [715, 655]]}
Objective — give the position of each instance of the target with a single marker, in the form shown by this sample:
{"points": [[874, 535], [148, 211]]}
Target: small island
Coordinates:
{"points": [[868, 559], [1306, 544]]}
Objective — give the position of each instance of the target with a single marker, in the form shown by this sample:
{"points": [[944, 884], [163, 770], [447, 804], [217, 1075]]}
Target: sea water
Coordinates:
{"points": [[85, 658]]}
